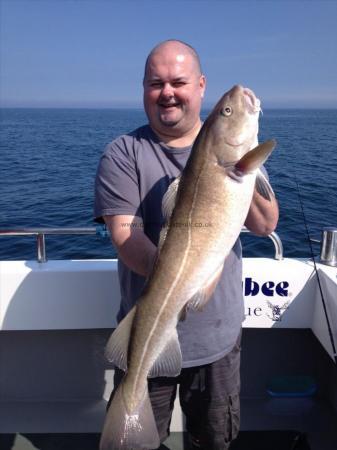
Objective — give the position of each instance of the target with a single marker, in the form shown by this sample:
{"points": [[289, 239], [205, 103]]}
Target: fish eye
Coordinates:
{"points": [[226, 111]]}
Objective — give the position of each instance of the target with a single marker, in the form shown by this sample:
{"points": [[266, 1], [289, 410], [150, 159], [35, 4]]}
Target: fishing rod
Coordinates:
{"points": [[318, 277]]}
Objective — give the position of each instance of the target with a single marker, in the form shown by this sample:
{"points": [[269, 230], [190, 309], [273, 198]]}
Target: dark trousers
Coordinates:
{"points": [[209, 398]]}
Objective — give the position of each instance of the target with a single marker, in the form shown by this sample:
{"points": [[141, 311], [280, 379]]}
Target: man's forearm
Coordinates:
{"points": [[134, 248], [263, 215], [138, 253]]}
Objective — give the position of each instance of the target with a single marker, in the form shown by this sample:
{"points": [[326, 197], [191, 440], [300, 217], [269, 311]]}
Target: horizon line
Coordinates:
{"points": [[137, 107]]}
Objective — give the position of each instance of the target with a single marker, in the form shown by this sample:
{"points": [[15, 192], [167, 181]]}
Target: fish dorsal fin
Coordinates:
{"points": [[202, 296], [168, 363], [116, 350], [256, 157], [169, 199], [263, 186]]}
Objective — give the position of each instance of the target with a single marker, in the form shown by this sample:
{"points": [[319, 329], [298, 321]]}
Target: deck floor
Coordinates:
{"points": [[265, 355], [274, 440], [315, 419]]}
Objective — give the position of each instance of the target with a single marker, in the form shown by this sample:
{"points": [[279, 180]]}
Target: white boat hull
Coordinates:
{"points": [[56, 317]]}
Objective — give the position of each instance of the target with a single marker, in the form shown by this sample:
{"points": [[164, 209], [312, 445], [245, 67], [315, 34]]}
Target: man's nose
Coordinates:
{"points": [[167, 90]]}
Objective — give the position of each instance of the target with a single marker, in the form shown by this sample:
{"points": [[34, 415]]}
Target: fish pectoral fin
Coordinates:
{"points": [[162, 237], [168, 204], [169, 199], [201, 298], [116, 350], [168, 363], [263, 186], [256, 157]]}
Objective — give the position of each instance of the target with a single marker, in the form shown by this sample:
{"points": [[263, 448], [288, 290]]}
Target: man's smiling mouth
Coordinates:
{"points": [[169, 105]]}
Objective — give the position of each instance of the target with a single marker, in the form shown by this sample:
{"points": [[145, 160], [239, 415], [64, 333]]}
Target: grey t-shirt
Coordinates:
{"points": [[134, 173]]}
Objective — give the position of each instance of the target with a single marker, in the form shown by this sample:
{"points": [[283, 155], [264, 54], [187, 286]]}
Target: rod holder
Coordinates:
{"points": [[329, 246]]}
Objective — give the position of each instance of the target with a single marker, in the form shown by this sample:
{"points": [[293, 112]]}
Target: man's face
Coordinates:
{"points": [[173, 91]]}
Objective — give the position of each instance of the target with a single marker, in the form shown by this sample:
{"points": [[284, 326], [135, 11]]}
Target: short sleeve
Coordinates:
{"points": [[116, 183]]}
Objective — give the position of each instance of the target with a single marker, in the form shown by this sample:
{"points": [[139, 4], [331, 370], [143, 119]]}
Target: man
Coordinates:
{"points": [[134, 174]]}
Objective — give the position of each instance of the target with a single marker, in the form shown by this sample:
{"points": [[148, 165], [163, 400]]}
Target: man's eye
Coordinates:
{"points": [[156, 84], [179, 83]]}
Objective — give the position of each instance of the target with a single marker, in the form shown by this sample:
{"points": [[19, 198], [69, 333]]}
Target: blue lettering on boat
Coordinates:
{"points": [[268, 288]]}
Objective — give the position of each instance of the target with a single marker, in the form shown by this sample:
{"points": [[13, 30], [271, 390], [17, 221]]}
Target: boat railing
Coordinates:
{"points": [[101, 231], [275, 238]]}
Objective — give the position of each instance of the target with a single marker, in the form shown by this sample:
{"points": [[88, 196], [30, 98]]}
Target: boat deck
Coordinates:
{"points": [[267, 424], [265, 353]]}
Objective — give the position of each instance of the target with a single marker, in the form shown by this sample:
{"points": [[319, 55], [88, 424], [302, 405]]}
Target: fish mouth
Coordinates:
{"points": [[252, 102]]}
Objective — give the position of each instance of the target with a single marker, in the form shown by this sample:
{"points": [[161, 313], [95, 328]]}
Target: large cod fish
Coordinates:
{"points": [[215, 188]]}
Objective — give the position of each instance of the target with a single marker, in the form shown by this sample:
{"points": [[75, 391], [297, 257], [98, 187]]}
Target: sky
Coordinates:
{"points": [[91, 53]]}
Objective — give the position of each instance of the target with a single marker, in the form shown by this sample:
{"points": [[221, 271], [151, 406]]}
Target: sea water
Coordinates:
{"points": [[49, 157]]}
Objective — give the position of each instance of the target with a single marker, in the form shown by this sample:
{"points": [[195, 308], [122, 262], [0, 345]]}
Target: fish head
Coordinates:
{"points": [[233, 124]]}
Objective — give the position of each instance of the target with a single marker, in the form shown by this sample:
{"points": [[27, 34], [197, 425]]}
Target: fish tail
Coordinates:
{"points": [[129, 431]]}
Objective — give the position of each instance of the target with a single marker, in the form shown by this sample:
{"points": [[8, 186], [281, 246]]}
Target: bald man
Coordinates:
{"points": [[133, 175]]}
